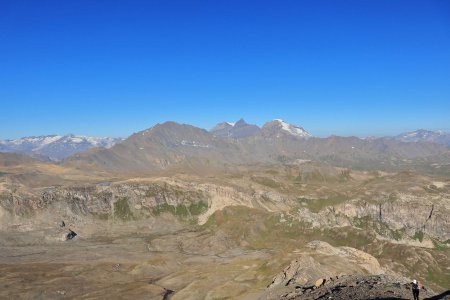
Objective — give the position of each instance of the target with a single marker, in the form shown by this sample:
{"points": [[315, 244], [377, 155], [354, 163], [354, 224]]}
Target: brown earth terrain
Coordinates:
{"points": [[219, 229]]}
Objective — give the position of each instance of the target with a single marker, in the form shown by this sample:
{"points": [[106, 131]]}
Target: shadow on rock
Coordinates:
{"points": [[444, 295]]}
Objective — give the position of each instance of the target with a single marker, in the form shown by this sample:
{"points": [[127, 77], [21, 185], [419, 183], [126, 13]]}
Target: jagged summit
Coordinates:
{"points": [[241, 122], [278, 127], [221, 126], [239, 129], [274, 128]]}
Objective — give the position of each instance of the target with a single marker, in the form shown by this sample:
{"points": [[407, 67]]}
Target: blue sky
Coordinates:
{"points": [[110, 68]]}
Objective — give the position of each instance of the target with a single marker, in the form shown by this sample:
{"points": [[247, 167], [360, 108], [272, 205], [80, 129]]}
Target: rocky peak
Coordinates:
{"points": [[239, 129], [168, 134], [278, 128], [240, 123], [221, 126]]}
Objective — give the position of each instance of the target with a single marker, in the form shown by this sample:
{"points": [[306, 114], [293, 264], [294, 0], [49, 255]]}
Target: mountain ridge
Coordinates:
{"points": [[55, 147], [173, 146], [238, 129], [182, 146], [423, 135]]}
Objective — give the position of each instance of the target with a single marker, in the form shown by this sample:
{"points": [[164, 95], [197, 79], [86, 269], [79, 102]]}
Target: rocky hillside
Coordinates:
{"points": [[322, 260], [326, 224], [327, 272], [357, 287]]}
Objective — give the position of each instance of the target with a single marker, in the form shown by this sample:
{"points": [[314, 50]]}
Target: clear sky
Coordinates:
{"points": [[111, 68]]}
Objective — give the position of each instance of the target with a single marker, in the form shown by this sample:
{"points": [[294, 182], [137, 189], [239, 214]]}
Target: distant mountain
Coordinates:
{"points": [[278, 127], [55, 147], [163, 146], [422, 135], [179, 147], [238, 130], [184, 148]]}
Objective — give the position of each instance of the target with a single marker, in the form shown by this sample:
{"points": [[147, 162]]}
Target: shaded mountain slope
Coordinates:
{"points": [[12, 159]]}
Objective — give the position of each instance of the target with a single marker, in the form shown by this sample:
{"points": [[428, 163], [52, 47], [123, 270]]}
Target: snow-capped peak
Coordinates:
{"points": [[231, 123], [422, 135], [292, 129], [55, 147], [46, 140], [34, 140]]}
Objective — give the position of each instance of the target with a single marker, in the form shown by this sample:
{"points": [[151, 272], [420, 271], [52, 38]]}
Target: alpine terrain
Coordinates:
{"points": [[238, 212]]}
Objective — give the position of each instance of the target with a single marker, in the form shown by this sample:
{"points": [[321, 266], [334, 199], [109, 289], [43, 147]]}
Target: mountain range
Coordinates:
{"points": [[55, 147], [179, 147], [422, 135], [241, 129], [169, 145]]}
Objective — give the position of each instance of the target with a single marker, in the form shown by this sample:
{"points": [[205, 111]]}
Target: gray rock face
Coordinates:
{"points": [[101, 200], [407, 216], [410, 213]]}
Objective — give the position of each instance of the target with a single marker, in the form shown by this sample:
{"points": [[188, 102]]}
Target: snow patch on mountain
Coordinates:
{"points": [[194, 144], [422, 135], [292, 129], [55, 147]]}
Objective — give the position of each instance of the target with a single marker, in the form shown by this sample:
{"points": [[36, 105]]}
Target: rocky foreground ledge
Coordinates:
{"points": [[353, 287]]}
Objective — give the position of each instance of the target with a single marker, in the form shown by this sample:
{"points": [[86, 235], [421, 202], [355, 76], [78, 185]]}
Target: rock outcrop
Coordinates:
{"points": [[129, 199], [358, 287], [321, 260], [405, 216]]}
